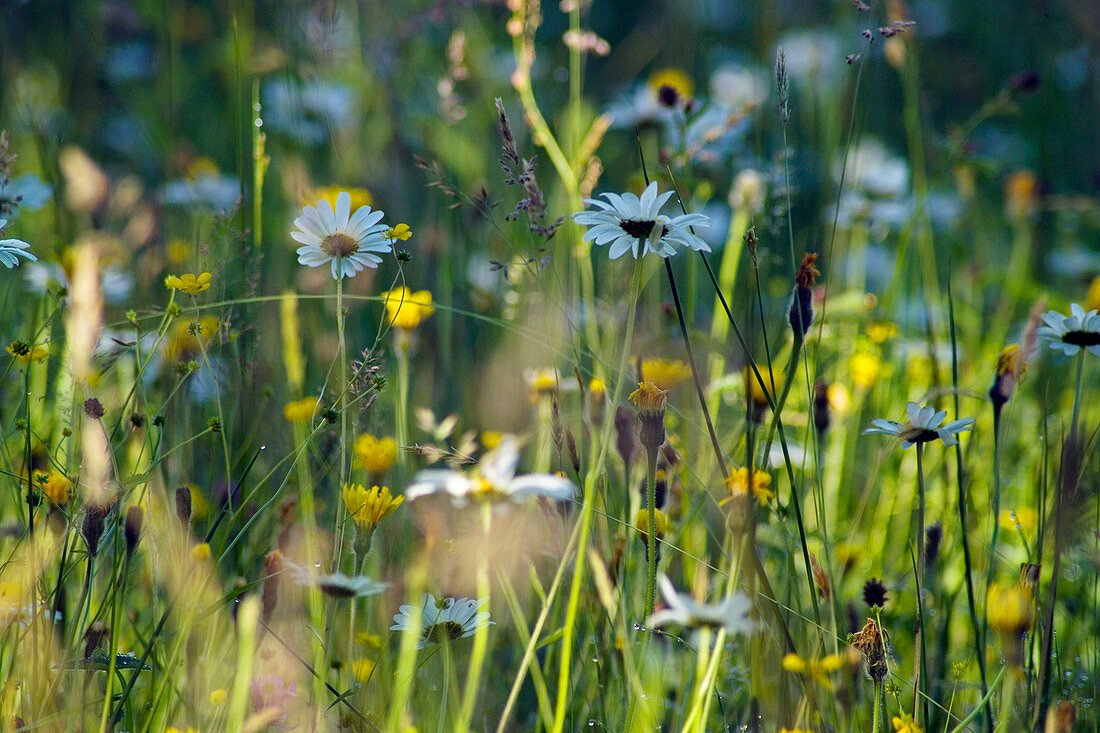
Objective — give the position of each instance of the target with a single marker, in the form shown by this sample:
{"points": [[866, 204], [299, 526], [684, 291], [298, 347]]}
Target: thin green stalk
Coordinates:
{"points": [[448, 663], [875, 705], [920, 689], [1008, 697], [481, 636]]}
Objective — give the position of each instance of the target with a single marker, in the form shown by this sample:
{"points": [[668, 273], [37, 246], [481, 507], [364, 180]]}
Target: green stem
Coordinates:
{"points": [[651, 533]]}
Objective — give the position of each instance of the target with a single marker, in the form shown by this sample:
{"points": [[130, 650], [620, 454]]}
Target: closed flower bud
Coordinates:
{"points": [[92, 527], [132, 531], [183, 505], [269, 597], [801, 313]]}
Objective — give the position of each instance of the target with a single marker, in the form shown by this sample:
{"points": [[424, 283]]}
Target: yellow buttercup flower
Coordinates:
{"points": [[218, 697], [400, 232], [58, 487], [406, 309], [375, 455], [362, 669], [905, 725], [816, 669], [368, 507], [882, 331], [25, 353], [490, 439], [200, 507], [301, 411], [189, 282], [738, 484]]}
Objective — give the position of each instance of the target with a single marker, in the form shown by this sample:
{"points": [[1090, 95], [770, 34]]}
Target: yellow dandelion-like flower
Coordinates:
{"points": [[218, 697], [359, 196], [200, 507], [864, 368], [649, 399], [882, 331], [189, 282], [406, 309], [738, 484], [756, 388], [399, 232], [301, 411], [58, 487], [1024, 519], [368, 507], [667, 374], [673, 78], [375, 455], [597, 386], [816, 669], [1011, 361], [11, 599], [25, 353], [1021, 194], [201, 552], [1009, 609], [362, 669]]}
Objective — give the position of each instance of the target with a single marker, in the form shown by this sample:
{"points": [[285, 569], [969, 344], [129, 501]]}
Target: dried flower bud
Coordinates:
{"points": [[801, 313], [93, 408], [92, 527], [871, 643], [183, 505], [1029, 576], [821, 580], [132, 530]]}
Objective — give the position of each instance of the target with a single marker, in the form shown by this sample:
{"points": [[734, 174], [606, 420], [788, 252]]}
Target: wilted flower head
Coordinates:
{"points": [[922, 426], [731, 614], [494, 478], [348, 242], [445, 619], [624, 221], [1069, 334]]}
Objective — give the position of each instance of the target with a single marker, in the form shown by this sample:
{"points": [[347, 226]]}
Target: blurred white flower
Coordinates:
{"points": [[732, 614], [12, 249], [1069, 334]]}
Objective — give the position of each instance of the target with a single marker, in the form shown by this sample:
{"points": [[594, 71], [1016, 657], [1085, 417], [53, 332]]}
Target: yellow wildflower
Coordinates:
{"points": [[200, 167], [179, 251], [738, 484], [218, 697], [1025, 519], [11, 599], [674, 78], [368, 507], [25, 353], [58, 487], [359, 196], [368, 641], [362, 668], [816, 669], [201, 552], [597, 387], [1021, 195], [882, 331], [189, 282], [406, 309], [667, 374], [905, 725], [200, 507], [660, 521], [399, 232], [794, 730], [1009, 609], [649, 399], [301, 411], [864, 368], [1092, 299], [491, 439], [376, 455]]}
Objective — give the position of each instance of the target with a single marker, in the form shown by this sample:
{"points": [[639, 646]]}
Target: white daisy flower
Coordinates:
{"points": [[624, 221], [922, 426], [446, 619], [1069, 334], [12, 249], [732, 614], [348, 241], [494, 478]]}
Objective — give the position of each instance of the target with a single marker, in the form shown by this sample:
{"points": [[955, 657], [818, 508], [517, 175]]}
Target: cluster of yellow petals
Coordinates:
{"points": [[738, 484], [816, 669], [667, 374], [375, 455], [406, 309], [188, 282], [370, 506], [301, 411]]}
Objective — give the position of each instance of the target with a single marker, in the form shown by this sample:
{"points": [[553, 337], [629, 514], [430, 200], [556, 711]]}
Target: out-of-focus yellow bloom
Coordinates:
{"points": [[359, 196], [491, 439], [201, 552], [189, 338], [738, 484], [864, 368], [816, 669], [641, 521], [375, 455], [368, 507], [667, 374], [840, 399], [1092, 300], [1009, 609], [597, 386], [882, 331], [200, 507], [1025, 518], [756, 388], [362, 669], [406, 309], [218, 697], [179, 251], [368, 641], [11, 599], [25, 353], [675, 78], [301, 411], [1021, 195], [905, 725], [58, 487], [400, 232], [189, 282], [292, 342]]}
